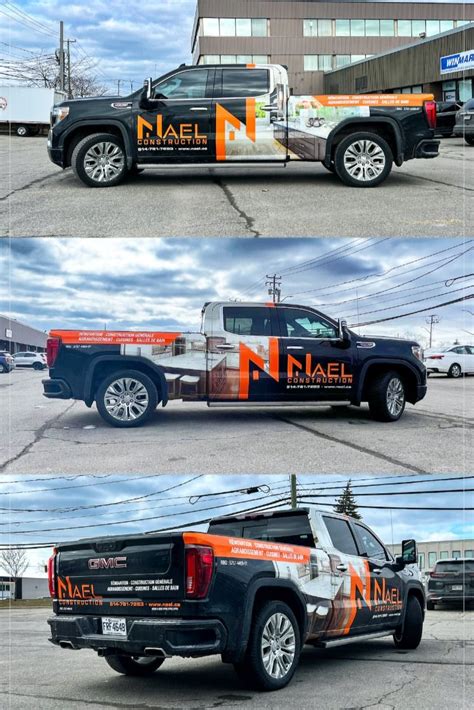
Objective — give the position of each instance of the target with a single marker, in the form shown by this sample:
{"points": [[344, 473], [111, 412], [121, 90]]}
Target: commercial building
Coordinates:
{"points": [[16, 336], [430, 552], [24, 588], [416, 68], [314, 37]]}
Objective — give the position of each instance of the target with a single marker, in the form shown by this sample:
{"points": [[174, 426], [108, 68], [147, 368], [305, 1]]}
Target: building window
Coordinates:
{"points": [[318, 62], [387, 28], [421, 560], [317, 28], [342, 60], [343, 28], [446, 25], [233, 59], [456, 554], [234, 27], [469, 554], [431, 559], [443, 555], [357, 28]]}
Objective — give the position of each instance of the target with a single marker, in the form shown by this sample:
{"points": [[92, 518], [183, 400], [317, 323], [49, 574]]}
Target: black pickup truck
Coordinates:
{"points": [[254, 589], [246, 353], [244, 114]]}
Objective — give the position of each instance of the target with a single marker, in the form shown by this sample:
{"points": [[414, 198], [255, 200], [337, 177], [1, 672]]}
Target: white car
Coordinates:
{"points": [[28, 358], [455, 361]]}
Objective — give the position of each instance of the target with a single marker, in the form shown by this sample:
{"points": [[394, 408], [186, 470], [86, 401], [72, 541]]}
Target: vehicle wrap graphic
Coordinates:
{"points": [[156, 134]]}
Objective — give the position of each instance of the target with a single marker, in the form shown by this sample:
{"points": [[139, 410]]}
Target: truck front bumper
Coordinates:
{"points": [[56, 389], [427, 148], [55, 154], [145, 637]]}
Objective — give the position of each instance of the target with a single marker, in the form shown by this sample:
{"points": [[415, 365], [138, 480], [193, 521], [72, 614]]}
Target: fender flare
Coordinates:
{"points": [[249, 604], [99, 123], [398, 158], [385, 361], [88, 394]]}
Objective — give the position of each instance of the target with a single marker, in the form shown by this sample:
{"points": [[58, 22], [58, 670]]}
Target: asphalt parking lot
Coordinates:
{"points": [[422, 198], [64, 436], [439, 674]]}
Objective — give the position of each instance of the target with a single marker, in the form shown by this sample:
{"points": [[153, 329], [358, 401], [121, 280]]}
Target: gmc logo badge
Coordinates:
{"points": [[107, 562]]}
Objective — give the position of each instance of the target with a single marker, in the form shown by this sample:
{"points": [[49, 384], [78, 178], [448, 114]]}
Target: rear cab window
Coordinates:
{"points": [[242, 82], [289, 530], [341, 535], [250, 321]]}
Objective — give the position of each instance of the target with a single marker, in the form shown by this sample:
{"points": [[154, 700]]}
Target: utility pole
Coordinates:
{"points": [[61, 55], [119, 81], [69, 88], [293, 482], [431, 321], [274, 287]]}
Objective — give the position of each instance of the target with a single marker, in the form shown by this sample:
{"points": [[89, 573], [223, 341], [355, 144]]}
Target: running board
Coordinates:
{"points": [[246, 403], [213, 166], [353, 639]]}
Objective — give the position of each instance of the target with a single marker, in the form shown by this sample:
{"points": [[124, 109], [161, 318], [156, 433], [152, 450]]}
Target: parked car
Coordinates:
{"points": [[455, 361], [29, 358], [451, 581], [222, 114], [246, 353], [255, 588], [7, 363], [464, 125], [446, 117]]}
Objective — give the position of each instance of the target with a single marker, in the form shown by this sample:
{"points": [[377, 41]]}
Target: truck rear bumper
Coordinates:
{"points": [[427, 148], [173, 637], [56, 389]]}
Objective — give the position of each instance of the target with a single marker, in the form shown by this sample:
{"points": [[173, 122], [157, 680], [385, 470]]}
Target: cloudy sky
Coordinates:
{"points": [[127, 40], [163, 283], [166, 501]]}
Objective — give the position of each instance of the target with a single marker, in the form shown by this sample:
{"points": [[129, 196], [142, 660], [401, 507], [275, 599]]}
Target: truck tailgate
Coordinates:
{"points": [[132, 575]]}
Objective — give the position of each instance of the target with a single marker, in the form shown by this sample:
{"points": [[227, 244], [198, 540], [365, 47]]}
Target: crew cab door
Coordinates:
{"points": [[243, 349], [177, 124], [385, 583], [248, 102], [317, 366]]}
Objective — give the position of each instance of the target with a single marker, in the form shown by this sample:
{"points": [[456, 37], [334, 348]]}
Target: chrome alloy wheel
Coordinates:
{"points": [[364, 160], [395, 396], [104, 161], [126, 399], [278, 645], [455, 371]]}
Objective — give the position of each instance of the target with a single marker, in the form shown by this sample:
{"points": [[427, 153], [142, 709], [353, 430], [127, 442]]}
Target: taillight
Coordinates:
{"points": [[52, 575], [435, 357], [52, 349], [430, 111], [199, 569]]}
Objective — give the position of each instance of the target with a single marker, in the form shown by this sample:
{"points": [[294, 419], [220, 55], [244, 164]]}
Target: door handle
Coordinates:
{"points": [[199, 108], [270, 107], [342, 568], [294, 347], [225, 346], [376, 570]]}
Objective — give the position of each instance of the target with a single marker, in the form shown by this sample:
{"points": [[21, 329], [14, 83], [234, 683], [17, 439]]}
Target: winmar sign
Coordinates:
{"points": [[457, 62], [183, 134]]}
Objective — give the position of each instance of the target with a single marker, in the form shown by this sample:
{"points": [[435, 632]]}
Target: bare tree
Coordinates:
{"points": [[14, 561]]}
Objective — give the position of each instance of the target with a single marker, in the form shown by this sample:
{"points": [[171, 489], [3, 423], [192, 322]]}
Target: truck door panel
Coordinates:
{"points": [[247, 104], [315, 367], [178, 123], [245, 337], [385, 583]]}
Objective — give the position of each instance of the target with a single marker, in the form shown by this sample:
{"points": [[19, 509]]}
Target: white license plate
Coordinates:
{"points": [[467, 118], [114, 627], [457, 587]]}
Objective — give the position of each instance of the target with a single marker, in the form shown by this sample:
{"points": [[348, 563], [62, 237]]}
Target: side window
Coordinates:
{"points": [[185, 85], [299, 323], [341, 535], [370, 544], [237, 83], [250, 320], [459, 350]]}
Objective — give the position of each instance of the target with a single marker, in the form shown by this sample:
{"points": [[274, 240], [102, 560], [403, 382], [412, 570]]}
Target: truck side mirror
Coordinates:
{"points": [[344, 334], [409, 553]]}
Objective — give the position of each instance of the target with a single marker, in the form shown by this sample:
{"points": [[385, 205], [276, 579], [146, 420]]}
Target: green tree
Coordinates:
{"points": [[346, 503]]}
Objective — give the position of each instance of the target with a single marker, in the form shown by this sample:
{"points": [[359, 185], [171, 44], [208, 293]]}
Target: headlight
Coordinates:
{"points": [[60, 113], [417, 351]]}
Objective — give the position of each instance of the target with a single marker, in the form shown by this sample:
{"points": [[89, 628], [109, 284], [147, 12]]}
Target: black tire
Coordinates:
{"points": [[379, 395], [353, 140], [23, 131], [455, 371], [469, 140], [252, 670], [430, 606], [37, 366], [102, 142], [137, 666], [410, 635], [3, 368], [147, 402]]}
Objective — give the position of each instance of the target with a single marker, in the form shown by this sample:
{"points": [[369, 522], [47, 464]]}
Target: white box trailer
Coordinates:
{"points": [[26, 110]]}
